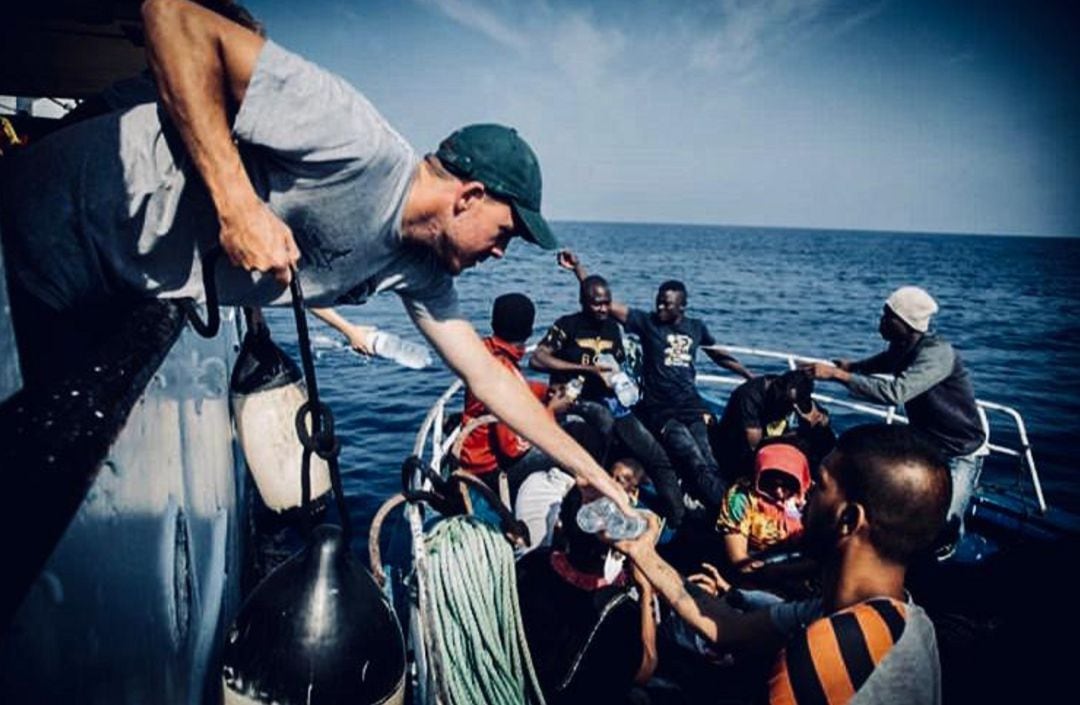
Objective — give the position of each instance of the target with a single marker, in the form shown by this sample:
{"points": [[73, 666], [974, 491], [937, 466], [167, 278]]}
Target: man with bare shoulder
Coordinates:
{"points": [[880, 500]]}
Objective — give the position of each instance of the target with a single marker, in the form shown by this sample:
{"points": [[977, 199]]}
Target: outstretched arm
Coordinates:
{"points": [[930, 367], [203, 64], [359, 336], [568, 260], [512, 402], [711, 617], [726, 360]]}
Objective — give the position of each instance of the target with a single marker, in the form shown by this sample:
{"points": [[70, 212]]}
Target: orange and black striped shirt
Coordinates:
{"points": [[829, 661]]}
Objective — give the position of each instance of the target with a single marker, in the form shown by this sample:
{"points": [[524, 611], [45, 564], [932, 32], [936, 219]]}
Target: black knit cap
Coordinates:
{"points": [[512, 317]]}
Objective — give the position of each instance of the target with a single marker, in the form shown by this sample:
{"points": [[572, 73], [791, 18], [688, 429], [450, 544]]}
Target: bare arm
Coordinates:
{"points": [[649, 656], [568, 260], [359, 336], [753, 436], [203, 63], [726, 360], [711, 617], [737, 548], [513, 403], [545, 360]]}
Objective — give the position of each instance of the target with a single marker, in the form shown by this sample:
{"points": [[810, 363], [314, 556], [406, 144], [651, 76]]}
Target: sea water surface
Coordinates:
{"points": [[1010, 305]]}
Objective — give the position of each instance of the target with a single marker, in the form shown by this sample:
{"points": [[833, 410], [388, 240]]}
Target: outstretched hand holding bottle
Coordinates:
{"points": [[603, 515], [369, 340], [405, 353]]}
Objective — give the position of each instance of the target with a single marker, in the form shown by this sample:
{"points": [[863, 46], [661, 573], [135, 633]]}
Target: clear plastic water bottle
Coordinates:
{"points": [[604, 515], [625, 389], [574, 387], [405, 353]]}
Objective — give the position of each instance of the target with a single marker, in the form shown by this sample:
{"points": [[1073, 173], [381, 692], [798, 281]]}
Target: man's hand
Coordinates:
{"points": [[710, 580], [567, 260], [815, 416], [642, 544], [254, 238], [821, 370], [360, 339], [844, 365]]}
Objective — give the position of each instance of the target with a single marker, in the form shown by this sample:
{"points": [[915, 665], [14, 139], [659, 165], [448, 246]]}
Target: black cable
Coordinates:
{"points": [[321, 439], [210, 327]]}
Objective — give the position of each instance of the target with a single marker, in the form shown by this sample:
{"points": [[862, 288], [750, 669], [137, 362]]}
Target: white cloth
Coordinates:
{"points": [[538, 501]]}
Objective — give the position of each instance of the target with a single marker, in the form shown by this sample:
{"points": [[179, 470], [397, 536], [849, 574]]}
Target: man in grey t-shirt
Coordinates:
{"points": [[283, 165], [880, 499]]}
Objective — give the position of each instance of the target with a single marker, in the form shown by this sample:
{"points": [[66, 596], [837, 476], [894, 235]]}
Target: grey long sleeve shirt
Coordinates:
{"points": [[932, 385]]}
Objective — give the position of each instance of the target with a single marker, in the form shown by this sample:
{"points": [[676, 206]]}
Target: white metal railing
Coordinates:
{"points": [[432, 424], [890, 414]]}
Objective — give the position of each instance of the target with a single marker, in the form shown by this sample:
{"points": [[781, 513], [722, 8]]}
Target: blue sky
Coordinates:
{"points": [[932, 116]]}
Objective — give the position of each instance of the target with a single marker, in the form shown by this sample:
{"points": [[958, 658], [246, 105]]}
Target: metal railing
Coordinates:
{"points": [[433, 426], [890, 414]]}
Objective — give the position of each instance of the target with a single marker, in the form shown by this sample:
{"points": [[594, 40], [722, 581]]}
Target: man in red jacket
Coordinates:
{"points": [[489, 444]]}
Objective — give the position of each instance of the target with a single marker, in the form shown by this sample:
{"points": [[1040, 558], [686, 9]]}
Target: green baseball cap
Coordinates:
{"points": [[497, 157]]}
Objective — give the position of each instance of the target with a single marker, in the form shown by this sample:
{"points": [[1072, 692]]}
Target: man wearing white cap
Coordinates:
{"points": [[930, 381]]}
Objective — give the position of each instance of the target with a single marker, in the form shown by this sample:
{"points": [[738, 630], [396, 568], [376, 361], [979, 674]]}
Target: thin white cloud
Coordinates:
{"points": [[734, 36], [583, 51], [478, 17], [856, 19]]}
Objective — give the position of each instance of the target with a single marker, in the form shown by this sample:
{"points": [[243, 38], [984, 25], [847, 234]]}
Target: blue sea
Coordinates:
{"points": [[1010, 305]]}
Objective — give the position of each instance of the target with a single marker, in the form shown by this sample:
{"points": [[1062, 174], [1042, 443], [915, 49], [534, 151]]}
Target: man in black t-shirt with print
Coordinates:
{"points": [[569, 350], [671, 405]]}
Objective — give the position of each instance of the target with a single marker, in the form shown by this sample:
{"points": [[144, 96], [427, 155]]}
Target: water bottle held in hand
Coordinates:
{"points": [[405, 353], [625, 389], [604, 515]]}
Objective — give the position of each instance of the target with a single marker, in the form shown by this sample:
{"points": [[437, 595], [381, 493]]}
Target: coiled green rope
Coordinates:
{"points": [[479, 635]]}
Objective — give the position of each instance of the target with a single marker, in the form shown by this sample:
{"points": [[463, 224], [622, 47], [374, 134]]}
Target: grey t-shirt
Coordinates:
{"points": [[113, 205], [909, 673]]}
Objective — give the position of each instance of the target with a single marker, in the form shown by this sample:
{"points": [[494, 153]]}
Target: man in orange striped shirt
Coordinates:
{"points": [[880, 499]]}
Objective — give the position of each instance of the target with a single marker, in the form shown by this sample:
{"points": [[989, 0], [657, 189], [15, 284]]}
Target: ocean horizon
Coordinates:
{"points": [[1009, 304]]}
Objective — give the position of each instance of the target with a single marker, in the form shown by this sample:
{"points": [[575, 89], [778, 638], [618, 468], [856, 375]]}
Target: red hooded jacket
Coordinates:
{"points": [[487, 444]]}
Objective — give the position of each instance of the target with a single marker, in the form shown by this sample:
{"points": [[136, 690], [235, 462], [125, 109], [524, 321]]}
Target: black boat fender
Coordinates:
{"points": [[316, 630]]}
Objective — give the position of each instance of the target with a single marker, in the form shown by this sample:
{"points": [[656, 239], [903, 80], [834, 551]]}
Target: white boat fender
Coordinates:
{"points": [[266, 391], [316, 630]]}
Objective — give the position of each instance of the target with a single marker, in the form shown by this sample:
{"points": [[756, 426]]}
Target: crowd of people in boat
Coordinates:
{"points": [[300, 177], [729, 497]]}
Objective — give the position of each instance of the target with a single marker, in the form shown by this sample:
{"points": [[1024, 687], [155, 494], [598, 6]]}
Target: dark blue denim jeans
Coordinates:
{"points": [[687, 444], [642, 445]]}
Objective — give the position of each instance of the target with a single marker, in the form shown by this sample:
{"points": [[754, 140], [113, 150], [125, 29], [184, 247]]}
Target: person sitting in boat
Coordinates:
{"points": [[629, 473], [539, 496], [570, 349], [760, 408], [880, 501], [589, 639], [285, 167], [671, 405], [487, 445], [761, 512], [927, 377]]}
